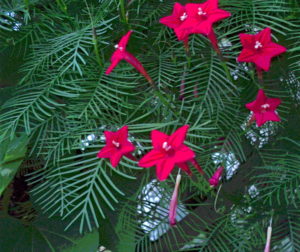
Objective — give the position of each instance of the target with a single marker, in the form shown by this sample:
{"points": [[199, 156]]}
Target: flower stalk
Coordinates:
{"points": [[269, 236], [174, 201]]}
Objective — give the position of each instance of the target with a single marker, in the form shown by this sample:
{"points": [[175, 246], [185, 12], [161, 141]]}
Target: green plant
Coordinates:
{"points": [[54, 94]]}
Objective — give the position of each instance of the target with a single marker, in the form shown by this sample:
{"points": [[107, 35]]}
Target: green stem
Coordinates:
{"points": [[26, 2], [94, 38], [96, 50], [61, 4], [123, 12]]}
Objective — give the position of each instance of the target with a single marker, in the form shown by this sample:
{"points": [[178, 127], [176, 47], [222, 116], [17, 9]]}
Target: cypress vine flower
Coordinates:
{"points": [[201, 17], [174, 202], [121, 54], [259, 49], [176, 20], [264, 109], [169, 151], [117, 145], [214, 180], [195, 18]]}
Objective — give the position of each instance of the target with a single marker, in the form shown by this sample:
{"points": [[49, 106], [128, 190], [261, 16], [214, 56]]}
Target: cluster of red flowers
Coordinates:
{"points": [[170, 151], [199, 18], [167, 152], [195, 18]]}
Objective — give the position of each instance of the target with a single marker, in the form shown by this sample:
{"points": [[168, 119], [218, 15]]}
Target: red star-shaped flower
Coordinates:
{"points": [[176, 20], [201, 17], [117, 145], [122, 54], [169, 151], [259, 49], [264, 108]]}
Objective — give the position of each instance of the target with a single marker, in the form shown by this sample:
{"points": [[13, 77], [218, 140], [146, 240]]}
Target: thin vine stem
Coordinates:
{"points": [[61, 4], [123, 11], [94, 38]]}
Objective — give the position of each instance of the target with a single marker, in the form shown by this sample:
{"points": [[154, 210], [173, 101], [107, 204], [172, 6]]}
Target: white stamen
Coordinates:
{"points": [[116, 144], [166, 146], [201, 12], [258, 45], [265, 106], [119, 47], [183, 17]]}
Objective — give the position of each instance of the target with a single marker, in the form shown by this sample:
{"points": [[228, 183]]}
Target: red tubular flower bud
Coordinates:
{"points": [[174, 202], [214, 180]]}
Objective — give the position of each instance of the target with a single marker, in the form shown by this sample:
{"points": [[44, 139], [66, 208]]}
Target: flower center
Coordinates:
{"points": [[183, 17], [201, 12], [258, 45], [265, 106], [166, 146], [119, 47], [117, 144]]}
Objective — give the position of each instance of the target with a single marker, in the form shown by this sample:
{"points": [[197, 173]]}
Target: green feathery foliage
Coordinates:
{"points": [[54, 92]]}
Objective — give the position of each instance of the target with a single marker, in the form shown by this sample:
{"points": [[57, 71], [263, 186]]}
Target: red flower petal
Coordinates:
{"points": [[260, 119], [112, 66], [263, 62], [264, 36], [273, 49], [178, 137], [115, 158], [247, 55], [158, 138], [218, 15], [273, 102], [212, 4], [182, 34], [170, 22], [124, 40], [164, 168], [183, 154], [136, 64], [152, 158], [126, 148], [109, 136], [261, 97], [106, 152], [122, 134], [174, 21], [205, 27], [178, 9], [247, 40]]}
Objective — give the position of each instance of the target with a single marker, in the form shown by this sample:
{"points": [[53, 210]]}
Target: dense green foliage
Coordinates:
{"points": [[54, 93]]}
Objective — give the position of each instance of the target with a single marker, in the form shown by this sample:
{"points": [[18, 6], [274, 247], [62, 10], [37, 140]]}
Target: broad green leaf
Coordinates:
{"points": [[12, 153], [88, 243], [43, 234]]}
